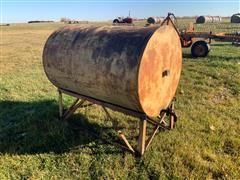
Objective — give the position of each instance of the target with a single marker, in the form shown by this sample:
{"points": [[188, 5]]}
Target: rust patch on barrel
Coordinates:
{"points": [[162, 54]]}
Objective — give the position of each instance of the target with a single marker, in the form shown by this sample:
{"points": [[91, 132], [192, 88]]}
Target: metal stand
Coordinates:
{"points": [[143, 140]]}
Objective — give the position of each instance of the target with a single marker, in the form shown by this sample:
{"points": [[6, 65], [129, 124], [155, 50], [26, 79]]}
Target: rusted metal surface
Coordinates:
{"points": [[156, 90], [121, 66]]}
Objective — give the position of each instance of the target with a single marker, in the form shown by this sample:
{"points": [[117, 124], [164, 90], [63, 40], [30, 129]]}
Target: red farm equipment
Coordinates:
{"points": [[199, 42]]}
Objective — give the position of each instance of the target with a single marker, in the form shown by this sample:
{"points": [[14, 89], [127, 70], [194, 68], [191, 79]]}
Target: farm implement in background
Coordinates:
{"points": [[200, 41], [123, 21]]}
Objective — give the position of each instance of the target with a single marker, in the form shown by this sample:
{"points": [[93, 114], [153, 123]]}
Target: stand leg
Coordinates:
{"points": [[142, 136], [60, 104], [171, 116]]}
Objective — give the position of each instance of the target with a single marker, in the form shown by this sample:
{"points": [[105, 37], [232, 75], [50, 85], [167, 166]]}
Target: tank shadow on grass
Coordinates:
{"points": [[34, 127]]}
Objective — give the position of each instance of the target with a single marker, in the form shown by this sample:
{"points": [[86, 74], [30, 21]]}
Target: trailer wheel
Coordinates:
{"points": [[200, 49]]}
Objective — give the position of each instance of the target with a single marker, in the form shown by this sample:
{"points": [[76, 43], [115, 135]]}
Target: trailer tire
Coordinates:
{"points": [[200, 49]]}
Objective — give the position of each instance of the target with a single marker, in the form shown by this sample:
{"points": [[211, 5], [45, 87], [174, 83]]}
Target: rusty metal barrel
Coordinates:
{"points": [[137, 68]]}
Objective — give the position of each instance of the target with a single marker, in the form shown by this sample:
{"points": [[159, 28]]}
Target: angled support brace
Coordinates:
{"points": [[76, 104], [122, 136], [149, 140], [107, 113]]}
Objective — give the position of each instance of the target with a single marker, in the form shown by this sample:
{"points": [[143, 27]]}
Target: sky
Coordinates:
{"points": [[16, 11]]}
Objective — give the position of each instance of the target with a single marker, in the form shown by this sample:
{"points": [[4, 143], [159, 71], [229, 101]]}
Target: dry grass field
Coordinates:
{"points": [[35, 144]]}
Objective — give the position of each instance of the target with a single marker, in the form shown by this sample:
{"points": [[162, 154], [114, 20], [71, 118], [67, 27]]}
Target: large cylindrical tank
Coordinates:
{"points": [[154, 20], [235, 18], [134, 67]]}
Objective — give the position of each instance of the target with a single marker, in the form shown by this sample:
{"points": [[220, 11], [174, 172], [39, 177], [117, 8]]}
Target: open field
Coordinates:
{"points": [[34, 144]]}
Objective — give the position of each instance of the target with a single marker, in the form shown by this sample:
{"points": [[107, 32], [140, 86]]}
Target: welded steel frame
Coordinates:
{"points": [[143, 141]]}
